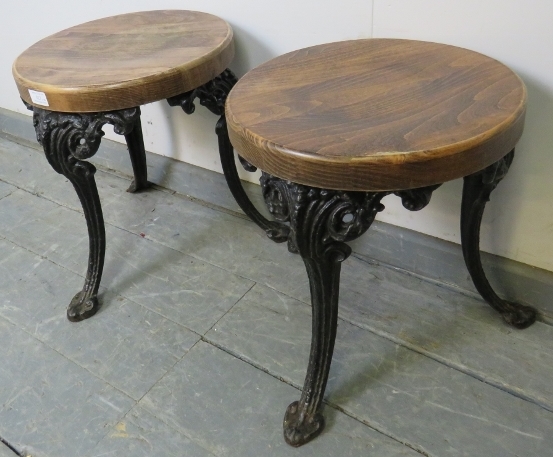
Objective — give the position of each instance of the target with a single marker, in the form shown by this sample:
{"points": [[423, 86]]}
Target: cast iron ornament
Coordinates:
{"points": [[68, 139], [321, 222], [212, 94]]}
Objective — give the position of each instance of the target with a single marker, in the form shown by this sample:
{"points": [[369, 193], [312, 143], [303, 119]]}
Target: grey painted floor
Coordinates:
{"points": [[203, 338]]}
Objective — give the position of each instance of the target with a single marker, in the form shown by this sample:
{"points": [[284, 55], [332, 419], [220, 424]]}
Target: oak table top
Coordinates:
{"points": [[124, 61], [376, 114]]}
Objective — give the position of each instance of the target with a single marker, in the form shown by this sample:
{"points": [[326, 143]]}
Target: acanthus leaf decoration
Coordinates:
{"points": [[321, 220], [73, 137]]}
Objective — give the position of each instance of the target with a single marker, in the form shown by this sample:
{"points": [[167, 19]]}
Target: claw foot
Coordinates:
{"points": [[520, 316], [80, 309], [300, 430], [134, 187]]}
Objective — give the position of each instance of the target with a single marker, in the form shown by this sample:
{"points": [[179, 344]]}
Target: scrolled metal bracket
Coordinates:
{"points": [[212, 94], [68, 139], [78, 135], [276, 193]]}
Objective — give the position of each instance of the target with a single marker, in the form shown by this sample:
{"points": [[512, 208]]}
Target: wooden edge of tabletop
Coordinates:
{"points": [[405, 166], [385, 172], [133, 92]]}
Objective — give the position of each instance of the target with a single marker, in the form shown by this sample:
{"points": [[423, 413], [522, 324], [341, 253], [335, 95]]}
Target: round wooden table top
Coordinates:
{"points": [[124, 61], [376, 114]]}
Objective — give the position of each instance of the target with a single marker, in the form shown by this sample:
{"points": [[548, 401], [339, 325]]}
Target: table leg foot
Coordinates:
{"points": [[517, 315], [138, 187], [82, 307], [68, 139], [476, 193], [300, 429]]}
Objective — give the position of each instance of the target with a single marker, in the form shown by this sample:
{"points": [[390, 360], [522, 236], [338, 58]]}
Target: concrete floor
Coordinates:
{"points": [[203, 338]]}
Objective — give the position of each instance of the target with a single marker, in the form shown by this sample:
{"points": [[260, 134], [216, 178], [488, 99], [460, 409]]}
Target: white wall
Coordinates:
{"points": [[519, 219]]}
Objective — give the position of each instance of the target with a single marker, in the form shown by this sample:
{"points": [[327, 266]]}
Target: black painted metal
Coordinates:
{"points": [[213, 95], [416, 199], [321, 222], [68, 139], [276, 231], [246, 165], [476, 193], [135, 143]]}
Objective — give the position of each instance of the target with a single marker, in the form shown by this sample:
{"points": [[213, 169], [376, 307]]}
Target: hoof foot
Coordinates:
{"points": [[134, 187], [80, 310], [520, 316], [298, 431]]}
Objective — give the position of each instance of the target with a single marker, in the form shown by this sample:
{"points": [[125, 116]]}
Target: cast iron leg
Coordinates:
{"points": [[321, 221], [276, 231], [213, 95], [135, 143], [67, 140], [476, 193], [303, 419]]}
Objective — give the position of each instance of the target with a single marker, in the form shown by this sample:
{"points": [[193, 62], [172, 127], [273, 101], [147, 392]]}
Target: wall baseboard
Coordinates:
{"points": [[416, 253]]}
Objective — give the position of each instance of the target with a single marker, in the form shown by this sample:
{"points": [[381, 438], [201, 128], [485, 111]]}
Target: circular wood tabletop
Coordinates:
{"points": [[124, 61], [376, 114]]}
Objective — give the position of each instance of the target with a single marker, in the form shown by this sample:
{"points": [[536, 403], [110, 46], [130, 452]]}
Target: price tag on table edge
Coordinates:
{"points": [[38, 97]]}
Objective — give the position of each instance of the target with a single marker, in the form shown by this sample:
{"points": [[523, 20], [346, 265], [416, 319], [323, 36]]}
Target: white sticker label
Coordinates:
{"points": [[38, 97]]}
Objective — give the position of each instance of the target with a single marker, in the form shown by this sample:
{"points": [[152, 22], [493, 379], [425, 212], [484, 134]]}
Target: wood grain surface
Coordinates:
{"points": [[377, 114], [125, 61]]}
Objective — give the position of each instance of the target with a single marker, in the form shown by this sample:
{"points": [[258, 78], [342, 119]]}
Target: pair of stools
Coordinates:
{"points": [[334, 128]]}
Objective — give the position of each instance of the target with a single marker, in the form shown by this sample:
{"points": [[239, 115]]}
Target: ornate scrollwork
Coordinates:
{"points": [[75, 137], [321, 220], [416, 199], [276, 193], [67, 140], [212, 94], [346, 215]]}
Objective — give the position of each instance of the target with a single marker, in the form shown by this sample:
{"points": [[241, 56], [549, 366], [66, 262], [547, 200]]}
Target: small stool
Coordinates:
{"points": [[336, 127], [100, 72]]}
